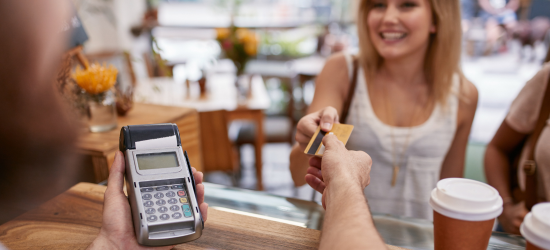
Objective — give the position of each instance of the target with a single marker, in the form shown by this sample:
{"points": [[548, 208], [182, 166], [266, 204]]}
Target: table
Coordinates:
{"points": [[103, 146], [222, 95], [73, 219]]}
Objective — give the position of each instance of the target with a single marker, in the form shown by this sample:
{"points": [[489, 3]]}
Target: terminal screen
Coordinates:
{"points": [[157, 160]]}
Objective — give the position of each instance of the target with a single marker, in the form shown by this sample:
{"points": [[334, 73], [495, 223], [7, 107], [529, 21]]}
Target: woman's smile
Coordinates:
{"points": [[392, 36]]}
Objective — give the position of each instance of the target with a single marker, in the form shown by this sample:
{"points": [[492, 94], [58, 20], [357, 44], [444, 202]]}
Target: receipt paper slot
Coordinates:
{"points": [[160, 184]]}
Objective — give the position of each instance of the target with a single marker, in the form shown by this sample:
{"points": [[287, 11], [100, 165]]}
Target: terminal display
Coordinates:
{"points": [[157, 160]]}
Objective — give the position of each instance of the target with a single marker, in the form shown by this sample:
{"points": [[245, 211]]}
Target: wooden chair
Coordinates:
{"points": [[218, 153]]}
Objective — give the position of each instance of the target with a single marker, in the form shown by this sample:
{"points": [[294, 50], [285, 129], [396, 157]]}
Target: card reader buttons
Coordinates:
{"points": [[163, 209], [165, 203], [186, 210], [152, 218]]}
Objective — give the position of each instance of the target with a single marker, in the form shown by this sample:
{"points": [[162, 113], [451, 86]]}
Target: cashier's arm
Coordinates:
{"points": [[341, 176], [117, 230]]}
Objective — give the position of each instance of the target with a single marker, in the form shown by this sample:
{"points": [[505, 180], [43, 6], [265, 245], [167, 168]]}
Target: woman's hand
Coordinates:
{"points": [[512, 217], [339, 168], [306, 127], [117, 230]]}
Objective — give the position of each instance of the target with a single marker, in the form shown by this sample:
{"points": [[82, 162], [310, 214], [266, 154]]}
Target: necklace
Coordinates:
{"points": [[396, 161]]}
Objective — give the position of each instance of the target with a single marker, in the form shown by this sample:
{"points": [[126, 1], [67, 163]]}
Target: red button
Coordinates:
{"points": [[181, 193]]}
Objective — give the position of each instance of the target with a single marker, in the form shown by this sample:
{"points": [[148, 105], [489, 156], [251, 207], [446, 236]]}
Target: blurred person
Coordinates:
{"points": [[500, 20], [530, 32], [36, 134], [502, 11], [411, 106], [467, 11], [518, 124]]}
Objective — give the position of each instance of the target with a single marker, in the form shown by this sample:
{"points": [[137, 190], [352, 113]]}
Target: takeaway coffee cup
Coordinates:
{"points": [[464, 213], [536, 227]]}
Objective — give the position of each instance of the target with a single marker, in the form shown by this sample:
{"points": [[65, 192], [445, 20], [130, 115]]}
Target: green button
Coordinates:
{"points": [[186, 210]]}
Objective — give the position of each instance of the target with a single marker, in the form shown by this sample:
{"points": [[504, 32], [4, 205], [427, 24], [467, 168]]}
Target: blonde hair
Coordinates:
{"points": [[443, 54]]}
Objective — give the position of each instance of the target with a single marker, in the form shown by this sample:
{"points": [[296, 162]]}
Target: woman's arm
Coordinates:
{"points": [[331, 88], [453, 165], [497, 165]]}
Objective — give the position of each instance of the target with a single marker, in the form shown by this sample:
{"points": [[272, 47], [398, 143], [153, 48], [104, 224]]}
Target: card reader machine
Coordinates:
{"points": [[160, 184]]}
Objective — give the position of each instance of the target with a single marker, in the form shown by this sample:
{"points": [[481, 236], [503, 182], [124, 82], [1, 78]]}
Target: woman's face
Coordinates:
{"points": [[400, 28]]}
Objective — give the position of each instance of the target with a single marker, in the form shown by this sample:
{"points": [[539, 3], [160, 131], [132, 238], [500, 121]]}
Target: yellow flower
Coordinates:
{"points": [[250, 37], [222, 33], [96, 79], [251, 48], [242, 34]]}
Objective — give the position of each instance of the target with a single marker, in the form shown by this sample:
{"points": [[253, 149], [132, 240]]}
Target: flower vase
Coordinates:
{"points": [[242, 84], [101, 113]]}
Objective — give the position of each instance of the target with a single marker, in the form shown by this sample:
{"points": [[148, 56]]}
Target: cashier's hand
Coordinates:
{"points": [[339, 168], [117, 231], [308, 124]]}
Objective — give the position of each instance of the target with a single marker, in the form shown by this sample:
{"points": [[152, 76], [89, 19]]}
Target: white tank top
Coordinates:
{"points": [[421, 163]]}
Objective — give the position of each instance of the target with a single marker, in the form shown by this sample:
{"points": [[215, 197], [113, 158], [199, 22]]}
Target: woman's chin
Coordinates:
{"points": [[392, 55], [396, 54]]}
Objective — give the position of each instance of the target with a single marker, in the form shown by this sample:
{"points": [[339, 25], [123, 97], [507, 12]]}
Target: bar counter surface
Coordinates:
{"points": [[73, 219]]}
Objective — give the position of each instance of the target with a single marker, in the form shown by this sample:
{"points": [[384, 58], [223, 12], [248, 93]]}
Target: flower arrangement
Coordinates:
{"points": [[96, 83], [96, 79], [238, 44]]}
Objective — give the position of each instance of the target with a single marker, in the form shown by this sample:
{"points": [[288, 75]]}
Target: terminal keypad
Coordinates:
{"points": [[168, 202]]}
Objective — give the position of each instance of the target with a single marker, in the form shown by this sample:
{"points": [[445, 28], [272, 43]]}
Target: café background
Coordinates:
{"points": [[295, 36]]}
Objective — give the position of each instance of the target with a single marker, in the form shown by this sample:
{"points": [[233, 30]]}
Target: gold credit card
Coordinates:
{"points": [[316, 147]]}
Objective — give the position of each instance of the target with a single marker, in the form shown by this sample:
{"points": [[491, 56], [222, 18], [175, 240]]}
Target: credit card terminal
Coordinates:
{"points": [[160, 185]]}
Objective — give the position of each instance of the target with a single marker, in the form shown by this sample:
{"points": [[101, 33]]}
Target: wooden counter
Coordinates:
{"points": [[73, 219], [103, 146]]}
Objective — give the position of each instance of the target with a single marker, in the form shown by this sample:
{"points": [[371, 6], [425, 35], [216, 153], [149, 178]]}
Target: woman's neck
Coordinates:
{"points": [[406, 70]]}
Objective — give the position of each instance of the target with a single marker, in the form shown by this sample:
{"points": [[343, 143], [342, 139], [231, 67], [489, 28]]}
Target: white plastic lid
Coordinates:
{"points": [[465, 199], [536, 225]]}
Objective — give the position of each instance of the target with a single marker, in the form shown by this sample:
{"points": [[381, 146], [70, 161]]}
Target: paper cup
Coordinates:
{"points": [[464, 213], [536, 227]]}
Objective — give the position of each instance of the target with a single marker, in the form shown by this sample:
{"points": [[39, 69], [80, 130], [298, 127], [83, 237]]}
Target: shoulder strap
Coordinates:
{"points": [[529, 166], [353, 83]]}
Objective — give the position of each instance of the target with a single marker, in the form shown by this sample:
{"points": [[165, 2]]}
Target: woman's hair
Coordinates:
{"points": [[442, 56]]}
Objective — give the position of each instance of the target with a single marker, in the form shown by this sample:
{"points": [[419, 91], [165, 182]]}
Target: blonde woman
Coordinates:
{"points": [[411, 107]]}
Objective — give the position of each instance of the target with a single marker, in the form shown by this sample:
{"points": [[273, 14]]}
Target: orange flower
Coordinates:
{"points": [[222, 33], [242, 34], [251, 48], [96, 79]]}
